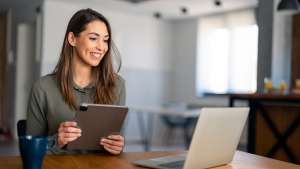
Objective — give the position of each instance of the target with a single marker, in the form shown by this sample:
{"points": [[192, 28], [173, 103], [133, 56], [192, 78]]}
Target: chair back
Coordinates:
{"points": [[21, 125]]}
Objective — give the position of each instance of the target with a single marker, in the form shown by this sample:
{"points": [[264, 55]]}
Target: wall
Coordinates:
{"points": [[282, 47], [184, 62], [265, 42]]}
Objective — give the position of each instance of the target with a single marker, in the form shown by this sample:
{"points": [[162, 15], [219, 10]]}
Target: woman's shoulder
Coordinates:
{"points": [[119, 80], [120, 90], [45, 82]]}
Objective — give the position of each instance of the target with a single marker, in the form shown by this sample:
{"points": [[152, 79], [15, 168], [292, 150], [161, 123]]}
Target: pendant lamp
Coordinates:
{"points": [[289, 6]]}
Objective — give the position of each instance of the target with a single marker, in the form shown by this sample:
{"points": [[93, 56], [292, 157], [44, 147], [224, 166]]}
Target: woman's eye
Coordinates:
{"points": [[106, 41], [93, 39]]}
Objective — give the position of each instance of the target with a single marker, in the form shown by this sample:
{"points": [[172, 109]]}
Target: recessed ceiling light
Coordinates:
{"points": [[217, 2], [183, 10], [157, 15]]}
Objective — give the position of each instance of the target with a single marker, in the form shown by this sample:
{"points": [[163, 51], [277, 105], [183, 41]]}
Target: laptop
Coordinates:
{"points": [[214, 142]]}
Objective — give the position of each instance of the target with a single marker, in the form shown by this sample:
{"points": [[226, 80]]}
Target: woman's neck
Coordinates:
{"points": [[82, 72]]}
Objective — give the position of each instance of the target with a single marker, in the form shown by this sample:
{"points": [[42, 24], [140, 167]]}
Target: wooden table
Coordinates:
{"points": [[107, 161], [274, 125]]}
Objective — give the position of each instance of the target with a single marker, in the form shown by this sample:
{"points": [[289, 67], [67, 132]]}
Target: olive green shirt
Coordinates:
{"points": [[46, 108]]}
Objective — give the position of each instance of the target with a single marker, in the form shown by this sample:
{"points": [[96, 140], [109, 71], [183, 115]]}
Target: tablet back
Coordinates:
{"points": [[97, 121]]}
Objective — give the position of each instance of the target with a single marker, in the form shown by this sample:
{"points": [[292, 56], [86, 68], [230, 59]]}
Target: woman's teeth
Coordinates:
{"points": [[96, 55]]}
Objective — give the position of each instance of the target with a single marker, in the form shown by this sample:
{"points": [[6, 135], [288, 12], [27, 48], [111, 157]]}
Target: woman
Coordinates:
{"points": [[84, 74]]}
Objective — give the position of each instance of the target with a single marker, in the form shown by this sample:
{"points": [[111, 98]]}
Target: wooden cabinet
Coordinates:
{"points": [[274, 125]]}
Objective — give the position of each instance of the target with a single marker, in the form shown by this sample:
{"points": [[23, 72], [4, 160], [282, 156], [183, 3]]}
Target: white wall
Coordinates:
{"points": [[184, 61]]}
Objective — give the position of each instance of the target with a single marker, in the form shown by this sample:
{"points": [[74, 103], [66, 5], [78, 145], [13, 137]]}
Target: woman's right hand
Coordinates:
{"points": [[67, 133]]}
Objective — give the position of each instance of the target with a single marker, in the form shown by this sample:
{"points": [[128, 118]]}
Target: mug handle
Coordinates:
{"points": [[54, 143]]}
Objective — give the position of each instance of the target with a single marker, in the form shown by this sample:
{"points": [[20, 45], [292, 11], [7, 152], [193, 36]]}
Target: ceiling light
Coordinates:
{"points": [[288, 6], [217, 2], [157, 15], [183, 10]]}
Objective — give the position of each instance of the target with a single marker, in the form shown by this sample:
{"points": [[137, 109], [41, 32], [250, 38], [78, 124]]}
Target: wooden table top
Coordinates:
{"points": [[267, 96], [105, 160]]}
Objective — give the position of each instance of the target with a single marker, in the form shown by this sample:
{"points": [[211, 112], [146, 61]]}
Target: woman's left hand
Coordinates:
{"points": [[113, 144]]}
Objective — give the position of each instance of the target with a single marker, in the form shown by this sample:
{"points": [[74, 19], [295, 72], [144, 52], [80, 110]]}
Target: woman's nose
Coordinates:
{"points": [[100, 46]]}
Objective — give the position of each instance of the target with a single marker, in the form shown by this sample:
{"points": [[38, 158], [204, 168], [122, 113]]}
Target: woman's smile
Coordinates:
{"points": [[96, 55]]}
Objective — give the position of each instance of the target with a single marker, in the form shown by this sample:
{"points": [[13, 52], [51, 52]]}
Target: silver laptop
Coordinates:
{"points": [[214, 142]]}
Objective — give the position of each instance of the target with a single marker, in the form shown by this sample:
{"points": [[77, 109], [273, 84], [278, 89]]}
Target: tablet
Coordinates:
{"points": [[97, 121]]}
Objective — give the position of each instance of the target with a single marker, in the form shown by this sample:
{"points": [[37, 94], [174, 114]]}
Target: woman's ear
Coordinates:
{"points": [[71, 38]]}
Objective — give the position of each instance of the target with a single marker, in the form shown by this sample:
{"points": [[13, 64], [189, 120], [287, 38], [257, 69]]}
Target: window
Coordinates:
{"points": [[227, 53]]}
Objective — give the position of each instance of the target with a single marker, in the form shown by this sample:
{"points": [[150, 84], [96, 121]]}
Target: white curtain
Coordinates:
{"points": [[227, 53]]}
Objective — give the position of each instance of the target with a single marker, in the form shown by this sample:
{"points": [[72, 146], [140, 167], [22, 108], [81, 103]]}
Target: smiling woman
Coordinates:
{"points": [[83, 74]]}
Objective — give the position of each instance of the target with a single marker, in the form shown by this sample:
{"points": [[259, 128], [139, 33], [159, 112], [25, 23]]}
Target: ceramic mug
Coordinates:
{"points": [[32, 150]]}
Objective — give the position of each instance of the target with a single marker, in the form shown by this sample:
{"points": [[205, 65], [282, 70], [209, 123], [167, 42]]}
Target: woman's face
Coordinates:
{"points": [[92, 44]]}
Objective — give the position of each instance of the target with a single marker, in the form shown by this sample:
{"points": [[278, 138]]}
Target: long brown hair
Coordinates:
{"points": [[103, 92]]}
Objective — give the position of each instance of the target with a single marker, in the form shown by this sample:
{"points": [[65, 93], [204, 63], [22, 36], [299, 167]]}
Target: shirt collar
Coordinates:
{"points": [[91, 86]]}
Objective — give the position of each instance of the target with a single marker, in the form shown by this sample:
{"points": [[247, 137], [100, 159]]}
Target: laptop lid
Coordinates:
{"points": [[216, 137]]}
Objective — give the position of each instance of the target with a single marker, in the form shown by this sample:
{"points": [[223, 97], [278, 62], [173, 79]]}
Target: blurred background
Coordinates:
{"points": [[177, 57]]}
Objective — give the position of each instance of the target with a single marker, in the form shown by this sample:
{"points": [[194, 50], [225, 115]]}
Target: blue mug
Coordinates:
{"points": [[32, 150]]}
